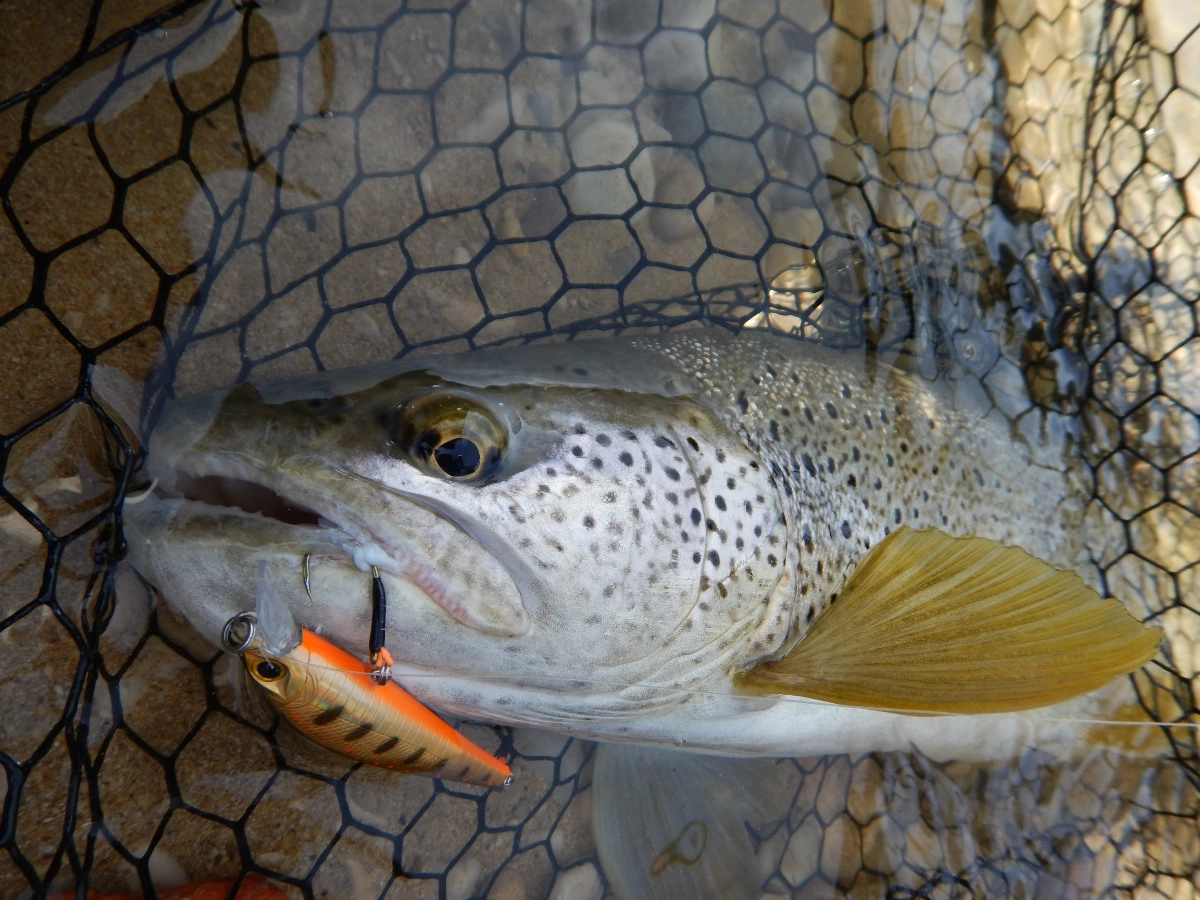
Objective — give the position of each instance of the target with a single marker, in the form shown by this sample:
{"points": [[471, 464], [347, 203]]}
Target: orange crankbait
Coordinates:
{"points": [[333, 698]]}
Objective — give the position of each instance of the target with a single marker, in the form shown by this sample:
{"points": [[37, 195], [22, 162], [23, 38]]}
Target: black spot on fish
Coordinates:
{"points": [[772, 559], [579, 429], [661, 441], [846, 391], [673, 474], [845, 529], [722, 590], [712, 526], [720, 502], [696, 557], [695, 516], [808, 464], [749, 507], [330, 715], [808, 415], [754, 464], [714, 557], [742, 402], [603, 440], [774, 430], [577, 451], [589, 522], [904, 446], [758, 531], [883, 416], [897, 515], [740, 544], [721, 456], [543, 488], [626, 458], [386, 745], [851, 480], [832, 410], [360, 732], [692, 443], [808, 615], [854, 454], [672, 498], [597, 462], [889, 460]]}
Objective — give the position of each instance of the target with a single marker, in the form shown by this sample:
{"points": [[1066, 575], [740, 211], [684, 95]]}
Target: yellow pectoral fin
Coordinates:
{"points": [[937, 624]]}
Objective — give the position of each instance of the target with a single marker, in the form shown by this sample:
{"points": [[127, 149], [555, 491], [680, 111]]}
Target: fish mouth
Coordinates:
{"points": [[250, 497], [234, 487]]}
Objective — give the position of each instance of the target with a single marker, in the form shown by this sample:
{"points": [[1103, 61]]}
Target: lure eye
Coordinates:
{"points": [[451, 435], [269, 671]]}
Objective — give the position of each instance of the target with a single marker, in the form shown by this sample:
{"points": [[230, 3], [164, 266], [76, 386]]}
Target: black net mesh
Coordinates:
{"points": [[199, 193]]}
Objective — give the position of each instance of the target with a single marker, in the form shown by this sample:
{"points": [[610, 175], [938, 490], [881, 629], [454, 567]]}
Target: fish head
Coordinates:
{"points": [[526, 520]]}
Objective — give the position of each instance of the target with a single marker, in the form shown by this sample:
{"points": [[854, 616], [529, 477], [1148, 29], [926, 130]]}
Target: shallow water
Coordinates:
{"points": [[208, 192]]}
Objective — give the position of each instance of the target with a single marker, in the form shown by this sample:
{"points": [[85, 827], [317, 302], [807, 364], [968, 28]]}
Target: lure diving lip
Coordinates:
{"points": [[331, 697]]}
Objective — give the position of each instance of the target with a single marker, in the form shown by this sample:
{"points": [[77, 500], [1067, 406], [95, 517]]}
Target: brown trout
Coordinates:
{"points": [[737, 544]]}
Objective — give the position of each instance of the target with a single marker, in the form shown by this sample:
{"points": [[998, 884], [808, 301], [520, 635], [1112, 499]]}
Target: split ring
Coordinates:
{"points": [[230, 634]]}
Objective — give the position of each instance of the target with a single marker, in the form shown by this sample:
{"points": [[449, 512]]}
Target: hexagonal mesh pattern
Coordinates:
{"points": [[217, 190]]}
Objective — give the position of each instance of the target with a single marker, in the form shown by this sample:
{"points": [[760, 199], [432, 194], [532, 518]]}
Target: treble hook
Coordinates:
{"points": [[304, 573]]}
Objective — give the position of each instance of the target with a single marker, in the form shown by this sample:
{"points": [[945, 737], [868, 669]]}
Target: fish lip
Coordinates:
{"points": [[361, 546], [290, 492]]}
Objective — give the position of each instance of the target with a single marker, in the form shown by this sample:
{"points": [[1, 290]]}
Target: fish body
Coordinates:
{"points": [[603, 538]]}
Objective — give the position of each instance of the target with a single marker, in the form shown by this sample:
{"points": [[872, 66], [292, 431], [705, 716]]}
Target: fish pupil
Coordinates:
{"points": [[457, 457], [268, 669]]}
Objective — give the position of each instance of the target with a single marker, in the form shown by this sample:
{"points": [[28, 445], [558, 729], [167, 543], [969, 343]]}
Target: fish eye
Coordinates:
{"points": [[268, 670], [451, 435]]}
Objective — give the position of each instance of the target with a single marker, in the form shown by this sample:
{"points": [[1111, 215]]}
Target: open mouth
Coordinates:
{"points": [[248, 496]]}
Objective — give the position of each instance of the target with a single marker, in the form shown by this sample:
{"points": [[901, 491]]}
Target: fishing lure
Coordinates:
{"points": [[331, 697]]}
